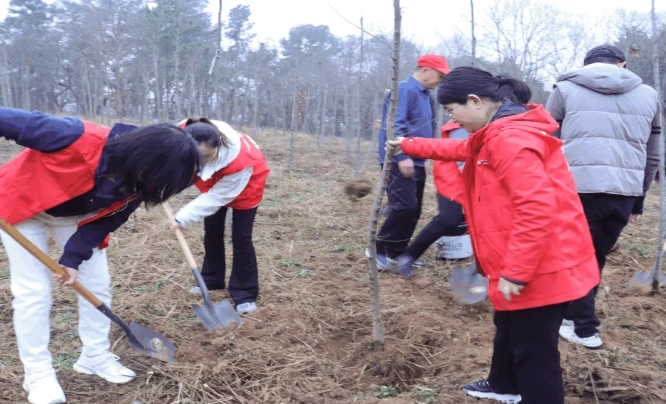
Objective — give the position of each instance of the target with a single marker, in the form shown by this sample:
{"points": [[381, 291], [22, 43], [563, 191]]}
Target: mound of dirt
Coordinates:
{"points": [[358, 188]]}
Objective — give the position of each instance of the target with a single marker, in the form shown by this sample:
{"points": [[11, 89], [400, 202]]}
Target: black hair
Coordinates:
{"points": [[154, 162], [206, 132], [463, 81], [602, 59]]}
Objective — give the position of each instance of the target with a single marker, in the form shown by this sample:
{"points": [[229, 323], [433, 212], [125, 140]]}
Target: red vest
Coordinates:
{"points": [[34, 182], [249, 156]]}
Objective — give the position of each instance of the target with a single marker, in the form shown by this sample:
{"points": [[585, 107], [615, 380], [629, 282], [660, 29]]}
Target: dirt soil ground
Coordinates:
{"points": [[310, 341]]}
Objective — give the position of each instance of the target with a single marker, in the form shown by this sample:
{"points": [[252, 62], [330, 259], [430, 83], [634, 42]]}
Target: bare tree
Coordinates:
{"points": [[662, 149], [378, 329]]}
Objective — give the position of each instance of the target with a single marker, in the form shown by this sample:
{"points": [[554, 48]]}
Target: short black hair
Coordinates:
{"points": [[154, 162]]}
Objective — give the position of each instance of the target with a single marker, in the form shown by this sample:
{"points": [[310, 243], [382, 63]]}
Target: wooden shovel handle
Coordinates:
{"points": [[181, 238], [46, 260]]}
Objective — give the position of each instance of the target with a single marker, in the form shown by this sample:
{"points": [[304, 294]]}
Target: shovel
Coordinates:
{"points": [[140, 338], [468, 285], [212, 315], [654, 278]]}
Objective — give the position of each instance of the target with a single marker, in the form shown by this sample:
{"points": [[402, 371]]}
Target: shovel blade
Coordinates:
{"points": [[641, 280], [468, 285], [217, 315], [150, 343]]}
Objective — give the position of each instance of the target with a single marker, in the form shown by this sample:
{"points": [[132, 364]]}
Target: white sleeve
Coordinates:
{"points": [[221, 194]]}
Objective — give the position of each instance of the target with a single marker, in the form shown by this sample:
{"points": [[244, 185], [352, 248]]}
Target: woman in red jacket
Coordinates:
{"points": [[234, 176], [526, 223]]}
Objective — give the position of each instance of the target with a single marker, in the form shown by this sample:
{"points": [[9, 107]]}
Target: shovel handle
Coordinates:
{"points": [[180, 237], [46, 260]]}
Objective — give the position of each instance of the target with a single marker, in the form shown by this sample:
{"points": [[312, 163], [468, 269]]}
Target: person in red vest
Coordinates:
{"points": [[527, 226], [80, 181], [234, 176], [450, 220]]}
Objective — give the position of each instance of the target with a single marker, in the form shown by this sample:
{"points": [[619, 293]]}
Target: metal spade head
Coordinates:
{"points": [[151, 343], [218, 315], [468, 285], [213, 315]]}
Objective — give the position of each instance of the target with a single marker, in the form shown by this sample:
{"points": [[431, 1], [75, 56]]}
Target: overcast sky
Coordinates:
{"points": [[422, 21]]}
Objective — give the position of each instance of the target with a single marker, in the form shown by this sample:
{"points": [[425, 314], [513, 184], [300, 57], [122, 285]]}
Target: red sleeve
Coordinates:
{"points": [[435, 149], [448, 180], [522, 172]]}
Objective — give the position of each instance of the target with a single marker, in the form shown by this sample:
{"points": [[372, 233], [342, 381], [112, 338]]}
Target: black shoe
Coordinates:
{"points": [[482, 389]]}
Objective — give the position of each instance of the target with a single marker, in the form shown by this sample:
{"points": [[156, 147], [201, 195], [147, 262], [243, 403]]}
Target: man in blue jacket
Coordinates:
{"points": [[415, 116]]}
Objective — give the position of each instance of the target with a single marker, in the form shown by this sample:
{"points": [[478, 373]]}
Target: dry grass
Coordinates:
{"points": [[309, 341]]}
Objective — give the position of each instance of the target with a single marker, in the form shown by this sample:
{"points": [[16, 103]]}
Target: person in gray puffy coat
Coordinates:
{"points": [[610, 126]]}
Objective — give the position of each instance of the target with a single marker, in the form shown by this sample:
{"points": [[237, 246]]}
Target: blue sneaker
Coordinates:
{"points": [[384, 263], [406, 266]]}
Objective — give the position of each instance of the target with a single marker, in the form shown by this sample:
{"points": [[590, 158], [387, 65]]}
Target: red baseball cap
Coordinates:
{"points": [[436, 62]]}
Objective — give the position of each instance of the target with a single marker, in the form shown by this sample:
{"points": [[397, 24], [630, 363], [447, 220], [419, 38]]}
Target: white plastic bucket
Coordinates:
{"points": [[453, 248]]}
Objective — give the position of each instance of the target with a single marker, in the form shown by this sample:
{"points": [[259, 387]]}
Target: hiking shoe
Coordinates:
{"points": [[43, 388], [568, 333], [482, 389], [105, 366], [246, 308]]}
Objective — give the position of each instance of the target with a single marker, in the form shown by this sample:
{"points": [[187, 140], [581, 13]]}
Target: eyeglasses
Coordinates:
{"points": [[450, 113]]}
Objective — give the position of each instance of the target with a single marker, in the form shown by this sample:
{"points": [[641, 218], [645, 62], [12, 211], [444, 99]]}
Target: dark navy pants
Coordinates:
{"points": [[405, 196], [448, 222], [607, 215], [244, 278]]}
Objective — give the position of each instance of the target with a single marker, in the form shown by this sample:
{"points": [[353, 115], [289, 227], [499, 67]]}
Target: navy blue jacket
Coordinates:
{"points": [[414, 116], [48, 134]]}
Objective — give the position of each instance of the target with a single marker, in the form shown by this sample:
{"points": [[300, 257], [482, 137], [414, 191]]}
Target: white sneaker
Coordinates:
{"points": [[105, 366], [568, 333], [567, 327], [196, 291], [246, 308], [43, 388]]}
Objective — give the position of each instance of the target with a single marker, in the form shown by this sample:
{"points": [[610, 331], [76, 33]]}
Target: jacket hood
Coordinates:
{"points": [[603, 78], [535, 120]]}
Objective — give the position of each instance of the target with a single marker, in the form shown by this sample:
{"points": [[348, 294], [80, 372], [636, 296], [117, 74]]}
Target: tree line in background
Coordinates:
{"points": [[150, 60]]}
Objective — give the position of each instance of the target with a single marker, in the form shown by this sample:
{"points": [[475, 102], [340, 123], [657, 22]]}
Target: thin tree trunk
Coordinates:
{"points": [[158, 95], [357, 162], [335, 112], [377, 328], [293, 132], [347, 126], [471, 4], [657, 273], [323, 120], [3, 78], [255, 106]]}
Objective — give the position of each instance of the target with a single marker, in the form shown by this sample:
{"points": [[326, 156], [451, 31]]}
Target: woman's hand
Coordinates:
{"points": [[509, 288], [69, 279], [396, 143]]}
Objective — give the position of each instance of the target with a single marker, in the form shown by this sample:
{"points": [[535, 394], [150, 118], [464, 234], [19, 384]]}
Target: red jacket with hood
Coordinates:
{"points": [[525, 218]]}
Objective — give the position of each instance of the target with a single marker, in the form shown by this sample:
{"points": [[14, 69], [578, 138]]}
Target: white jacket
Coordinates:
{"points": [[225, 190]]}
